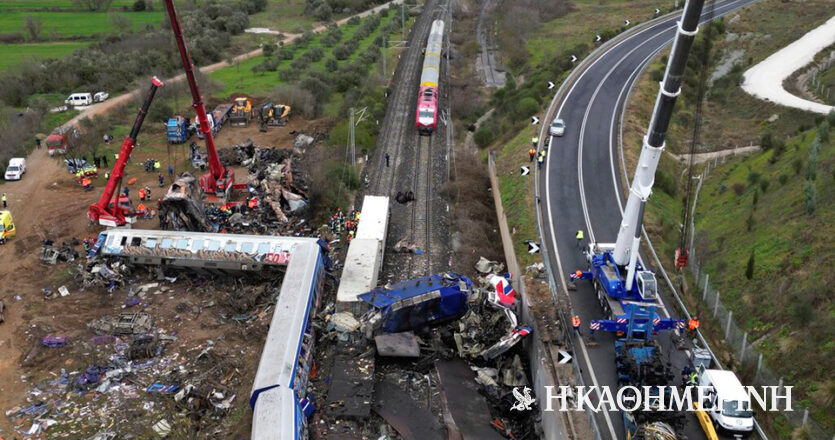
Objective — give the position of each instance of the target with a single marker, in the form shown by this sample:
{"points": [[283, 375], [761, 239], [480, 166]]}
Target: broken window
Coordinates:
{"points": [[136, 241]]}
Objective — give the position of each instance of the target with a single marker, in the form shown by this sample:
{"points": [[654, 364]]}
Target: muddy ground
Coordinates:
{"points": [[48, 203]]}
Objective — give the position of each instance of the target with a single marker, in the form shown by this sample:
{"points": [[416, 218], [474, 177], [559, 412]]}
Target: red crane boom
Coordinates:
{"points": [[219, 179], [106, 212]]}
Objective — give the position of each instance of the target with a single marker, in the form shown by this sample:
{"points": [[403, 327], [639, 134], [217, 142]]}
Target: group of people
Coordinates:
{"points": [[339, 223], [151, 165], [532, 154]]}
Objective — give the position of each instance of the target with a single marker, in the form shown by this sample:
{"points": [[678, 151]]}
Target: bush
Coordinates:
{"points": [[738, 188], [764, 183], [353, 20], [315, 53], [783, 179], [797, 164], [300, 100], [484, 136], [138, 6], [526, 107], [767, 141], [253, 6], [823, 132], [345, 50], [831, 118], [331, 65], [753, 177], [811, 193], [268, 48], [666, 182], [323, 12], [749, 268]]}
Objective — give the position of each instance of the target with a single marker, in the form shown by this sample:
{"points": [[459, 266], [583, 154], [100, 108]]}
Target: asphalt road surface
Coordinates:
{"points": [[581, 189]]}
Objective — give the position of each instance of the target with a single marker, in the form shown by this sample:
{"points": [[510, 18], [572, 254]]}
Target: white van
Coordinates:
{"points": [[79, 99], [727, 402], [16, 168]]}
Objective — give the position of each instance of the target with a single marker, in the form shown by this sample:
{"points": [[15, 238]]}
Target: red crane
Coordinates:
{"points": [[219, 180], [106, 212]]}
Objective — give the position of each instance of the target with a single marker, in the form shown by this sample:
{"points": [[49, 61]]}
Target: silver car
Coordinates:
{"points": [[557, 127]]}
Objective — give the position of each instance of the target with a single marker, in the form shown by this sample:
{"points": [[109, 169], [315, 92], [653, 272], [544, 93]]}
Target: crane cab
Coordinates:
{"points": [[647, 285]]}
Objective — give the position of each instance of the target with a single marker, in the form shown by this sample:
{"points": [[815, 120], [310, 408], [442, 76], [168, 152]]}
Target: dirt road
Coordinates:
{"points": [[110, 104]]}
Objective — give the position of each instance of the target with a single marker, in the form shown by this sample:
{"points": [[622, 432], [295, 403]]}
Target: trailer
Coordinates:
{"points": [[178, 130]]}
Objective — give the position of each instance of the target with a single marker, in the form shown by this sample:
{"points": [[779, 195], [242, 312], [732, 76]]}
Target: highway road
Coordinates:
{"points": [[581, 188]]}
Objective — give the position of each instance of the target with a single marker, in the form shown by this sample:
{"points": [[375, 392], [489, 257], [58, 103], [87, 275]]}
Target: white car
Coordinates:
{"points": [[16, 168], [557, 127], [100, 96]]}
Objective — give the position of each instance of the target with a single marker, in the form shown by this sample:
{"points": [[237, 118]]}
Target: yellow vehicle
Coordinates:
{"points": [[274, 115], [241, 112], [7, 224]]}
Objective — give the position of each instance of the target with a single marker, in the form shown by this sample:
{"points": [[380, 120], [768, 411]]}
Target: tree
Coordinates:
{"points": [[93, 5], [749, 269], [33, 27], [323, 12], [139, 6], [811, 193], [823, 132]]}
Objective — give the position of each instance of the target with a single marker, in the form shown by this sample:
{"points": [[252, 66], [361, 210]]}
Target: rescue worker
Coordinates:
{"points": [[87, 184], [148, 192], [157, 165], [127, 192], [5, 201], [579, 238], [541, 159], [532, 153], [253, 203], [350, 235], [685, 375], [107, 175], [142, 194], [693, 325], [535, 141], [694, 379], [141, 210], [578, 274], [171, 172], [161, 179], [575, 322]]}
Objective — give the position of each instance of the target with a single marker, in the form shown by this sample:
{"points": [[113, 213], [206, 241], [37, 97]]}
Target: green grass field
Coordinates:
{"points": [[283, 15], [240, 77], [587, 18], [76, 23], [13, 54], [32, 5]]}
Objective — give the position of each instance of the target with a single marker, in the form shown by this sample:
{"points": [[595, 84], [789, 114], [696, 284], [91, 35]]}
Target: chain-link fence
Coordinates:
{"points": [[754, 369]]}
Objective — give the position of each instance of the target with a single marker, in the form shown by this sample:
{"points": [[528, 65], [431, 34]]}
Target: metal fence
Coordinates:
{"points": [[754, 369]]}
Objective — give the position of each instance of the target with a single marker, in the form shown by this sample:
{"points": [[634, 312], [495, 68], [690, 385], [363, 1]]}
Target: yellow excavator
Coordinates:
{"points": [[273, 115], [241, 112]]}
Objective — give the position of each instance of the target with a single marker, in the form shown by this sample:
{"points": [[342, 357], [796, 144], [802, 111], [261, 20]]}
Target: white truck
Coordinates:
{"points": [[727, 402], [16, 168], [79, 100]]}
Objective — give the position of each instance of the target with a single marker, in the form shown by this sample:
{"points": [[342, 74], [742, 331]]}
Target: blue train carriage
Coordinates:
{"points": [[279, 399]]}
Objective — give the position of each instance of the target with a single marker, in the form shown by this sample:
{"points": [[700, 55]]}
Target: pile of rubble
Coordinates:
{"points": [[441, 331], [274, 199]]}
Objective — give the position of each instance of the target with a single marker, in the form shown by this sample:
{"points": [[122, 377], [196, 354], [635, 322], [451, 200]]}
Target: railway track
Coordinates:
{"points": [[412, 160]]}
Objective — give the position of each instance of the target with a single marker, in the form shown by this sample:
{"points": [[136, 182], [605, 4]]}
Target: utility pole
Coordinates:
{"points": [[351, 136], [403, 20]]}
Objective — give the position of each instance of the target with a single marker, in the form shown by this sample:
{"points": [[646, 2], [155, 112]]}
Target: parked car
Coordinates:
{"points": [[16, 168], [100, 96], [79, 99], [557, 127]]}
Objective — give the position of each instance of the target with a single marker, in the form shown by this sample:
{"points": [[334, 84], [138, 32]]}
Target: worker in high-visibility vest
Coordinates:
{"points": [[579, 238], [535, 141], [541, 159], [532, 154], [693, 325], [157, 165], [142, 194], [575, 322]]}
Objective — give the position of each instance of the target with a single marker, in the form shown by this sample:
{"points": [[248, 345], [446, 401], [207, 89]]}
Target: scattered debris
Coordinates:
{"points": [[124, 324], [397, 345]]}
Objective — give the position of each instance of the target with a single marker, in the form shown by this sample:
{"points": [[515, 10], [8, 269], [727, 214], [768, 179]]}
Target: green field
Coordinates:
{"points": [[283, 15], [31, 5], [240, 77], [76, 23], [12, 54]]}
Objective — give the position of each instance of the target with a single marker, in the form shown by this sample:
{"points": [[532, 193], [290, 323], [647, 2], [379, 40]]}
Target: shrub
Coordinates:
{"points": [[331, 65], [738, 188], [666, 182], [823, 132], [300, 100], [797, 164], [811, 193], [783, 179], [138, 6], [268, 48], [353, 20], [756, 198], [749, 268], [484, 136], [754, 177], [831, 118], [526, 107], [766, 141], [315, 53], [323, 12], [764, 183]]}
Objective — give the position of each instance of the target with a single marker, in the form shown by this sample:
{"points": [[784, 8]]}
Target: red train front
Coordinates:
{"points": [[426, 116]]}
